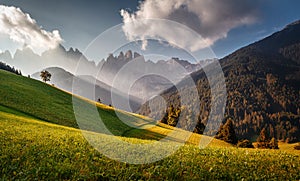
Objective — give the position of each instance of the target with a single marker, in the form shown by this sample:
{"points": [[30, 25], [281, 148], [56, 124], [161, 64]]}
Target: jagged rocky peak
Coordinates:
{"points": [[71, 50], [6, 55], [25, 51], [74, 51], [57, 49], [121, 56], [174, 60], [60, 47], [136, 55], [110, 57], [128, 55]]}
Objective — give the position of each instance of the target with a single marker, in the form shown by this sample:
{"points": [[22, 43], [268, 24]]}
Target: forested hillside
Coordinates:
{"points": [[262, 82]]}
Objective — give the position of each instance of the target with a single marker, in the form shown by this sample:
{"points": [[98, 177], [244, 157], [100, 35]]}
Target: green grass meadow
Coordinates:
{"points": [[40, 140]]}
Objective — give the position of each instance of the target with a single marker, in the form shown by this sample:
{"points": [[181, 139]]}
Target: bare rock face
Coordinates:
{"points": [[128, 55], [136, 55], [121, 56]]}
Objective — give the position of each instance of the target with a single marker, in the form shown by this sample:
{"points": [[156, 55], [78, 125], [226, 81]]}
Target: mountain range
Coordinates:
{"points": [[132, 65], [131, 73], [59, 56]]}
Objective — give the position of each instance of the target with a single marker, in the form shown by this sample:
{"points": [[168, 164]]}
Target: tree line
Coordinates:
{"points": [[226, 131], [4, 66]]}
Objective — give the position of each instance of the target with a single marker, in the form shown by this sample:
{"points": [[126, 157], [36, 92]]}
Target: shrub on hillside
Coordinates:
{"points": [[273, 144], [297, 147], [245, 144], [264, 141], [227, 133]]}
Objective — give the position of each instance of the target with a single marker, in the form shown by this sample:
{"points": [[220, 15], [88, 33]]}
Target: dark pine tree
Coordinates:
{"points": [[263, 139], [227, 133]]}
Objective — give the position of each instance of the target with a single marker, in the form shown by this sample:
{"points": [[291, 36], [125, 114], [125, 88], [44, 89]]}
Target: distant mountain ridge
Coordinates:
{"points": [[75, 62], [67, 59], [133, 64]]}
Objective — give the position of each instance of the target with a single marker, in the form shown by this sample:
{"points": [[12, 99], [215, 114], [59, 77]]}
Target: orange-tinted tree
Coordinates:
{"points": [[264, 141], [227, 133]]}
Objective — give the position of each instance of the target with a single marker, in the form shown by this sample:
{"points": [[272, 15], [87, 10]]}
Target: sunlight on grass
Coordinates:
{"points": [[32, 149], [40, 141]]}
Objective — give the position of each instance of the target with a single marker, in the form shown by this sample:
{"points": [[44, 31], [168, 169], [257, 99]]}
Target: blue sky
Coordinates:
{"points": [[81, 21]]}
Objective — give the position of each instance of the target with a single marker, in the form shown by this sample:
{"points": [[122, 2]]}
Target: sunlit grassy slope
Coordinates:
{"points": [[47, 103], [39, 100], [31, 149], [40, 140]]}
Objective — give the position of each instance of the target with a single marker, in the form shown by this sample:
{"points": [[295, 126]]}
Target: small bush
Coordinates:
{"points": [[245, 144], [273, 144], [297, 147]]}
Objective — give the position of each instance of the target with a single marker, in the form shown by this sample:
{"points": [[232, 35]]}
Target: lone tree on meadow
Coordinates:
{"points": [[45, 76]]}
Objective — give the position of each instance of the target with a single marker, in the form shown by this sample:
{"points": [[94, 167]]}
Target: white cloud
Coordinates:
{"points": [[21, 28], [212, 19]]}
